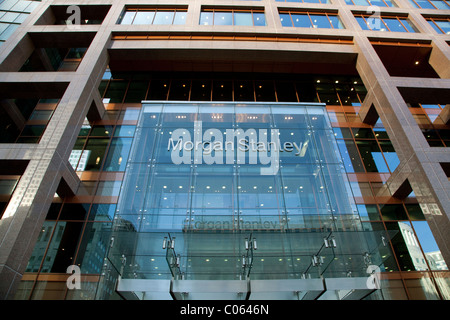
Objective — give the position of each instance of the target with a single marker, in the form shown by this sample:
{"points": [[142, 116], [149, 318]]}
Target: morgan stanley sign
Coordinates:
{"points": [[211, 148]]}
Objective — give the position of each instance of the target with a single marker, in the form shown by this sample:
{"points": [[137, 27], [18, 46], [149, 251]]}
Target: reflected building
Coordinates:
{"points": [[243, 150]]}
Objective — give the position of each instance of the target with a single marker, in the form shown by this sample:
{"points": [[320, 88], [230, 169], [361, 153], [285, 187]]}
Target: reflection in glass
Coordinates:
{"points": [[209, 208], [117, 154]]}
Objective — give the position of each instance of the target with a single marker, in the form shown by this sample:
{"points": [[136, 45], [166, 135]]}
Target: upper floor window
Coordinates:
{"points": [[153, 16], [305, 1], [388, 23], [232, 17], [441, 25], [431, 4], [310, 20], [379, 3]]}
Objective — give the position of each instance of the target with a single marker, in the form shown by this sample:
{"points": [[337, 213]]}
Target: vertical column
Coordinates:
{"points": [[418, 166], [29, 204]]}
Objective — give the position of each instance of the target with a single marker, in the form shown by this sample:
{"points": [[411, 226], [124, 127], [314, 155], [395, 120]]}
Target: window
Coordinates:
{"points": [[379, 3], [305, 1], [232, 17], [431, 4], [392, 24], [154, 16], [440, 25], [310, 20]]}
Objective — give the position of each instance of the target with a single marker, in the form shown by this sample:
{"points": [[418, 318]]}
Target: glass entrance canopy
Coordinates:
{"points": [[235, 192]]}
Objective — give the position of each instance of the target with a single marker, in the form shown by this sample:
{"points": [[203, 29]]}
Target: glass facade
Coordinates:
{"points": [[203, 197]]}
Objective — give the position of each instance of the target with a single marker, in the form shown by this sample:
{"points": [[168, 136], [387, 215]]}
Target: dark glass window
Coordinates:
{"points": [[431, 4], [74, 211], [118, 154], [371, 156], [95, 151], [116, 91], [136, 92], [392, 24]]}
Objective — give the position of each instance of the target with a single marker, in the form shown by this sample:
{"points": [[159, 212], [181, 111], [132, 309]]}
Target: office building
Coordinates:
{"points": [[293, 150]]}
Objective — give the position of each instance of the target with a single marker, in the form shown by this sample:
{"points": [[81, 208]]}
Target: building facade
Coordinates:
{"points": [[227, 150]]}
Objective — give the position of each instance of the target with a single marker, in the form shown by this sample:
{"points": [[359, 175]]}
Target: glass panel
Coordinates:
{"points": [[201, 90], [74, 211], [223, 18], [409, 26], [350, 156], [394, 25], [158, 89], [441, 4], [243, 19], [136, 91], [222, 90], [390, 155], [286, 92], [108, 188], [259, 19], [116, 91], [369, 212], [33, 130], [164, 17], [243, 91], [301, 20], [444, 25], [62, 248], [129, 114], [94, 152], [336, 22], [180, 17], [320, 21], [101, 131], [435, 27], [372, 157], [102, 212], [97, 237], [421, 287], [429, 245], [424, 4], [161, 199], [117, 154], [124, 131], [41, 115], [393, 212], [40, 247]]}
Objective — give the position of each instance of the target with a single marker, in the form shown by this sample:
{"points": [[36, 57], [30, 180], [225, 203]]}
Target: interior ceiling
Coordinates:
{"points": [[208, 60], [406, 61]]}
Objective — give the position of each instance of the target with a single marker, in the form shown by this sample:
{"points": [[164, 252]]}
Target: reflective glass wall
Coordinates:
{"points": [[226, 191]]}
